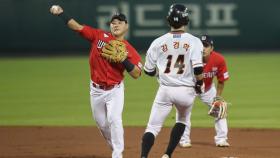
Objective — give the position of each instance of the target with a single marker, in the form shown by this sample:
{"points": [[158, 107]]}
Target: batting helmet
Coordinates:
{"points": [[177, 15]]}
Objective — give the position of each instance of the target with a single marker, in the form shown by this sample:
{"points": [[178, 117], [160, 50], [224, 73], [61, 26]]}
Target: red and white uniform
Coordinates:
{"points": [[215, 67], [103, 72], [107, 89]]}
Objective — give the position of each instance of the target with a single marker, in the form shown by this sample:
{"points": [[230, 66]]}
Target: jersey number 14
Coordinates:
{"points": [[178, 64]]}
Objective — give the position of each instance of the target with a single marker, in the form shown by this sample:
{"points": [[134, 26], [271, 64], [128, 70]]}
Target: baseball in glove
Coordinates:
{"points": [[218, 108], [114, 51]]}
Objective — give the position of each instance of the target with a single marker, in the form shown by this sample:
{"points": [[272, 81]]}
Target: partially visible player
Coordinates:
{"points": [[178, 57], [214, 66], [106, 85]]}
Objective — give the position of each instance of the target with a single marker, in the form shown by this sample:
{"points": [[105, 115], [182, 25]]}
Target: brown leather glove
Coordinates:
{"points": [[114, 51]]}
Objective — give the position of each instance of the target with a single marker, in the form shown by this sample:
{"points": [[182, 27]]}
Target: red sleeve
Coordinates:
{"points": [[222, 73], [133, 56], [88, 33]]}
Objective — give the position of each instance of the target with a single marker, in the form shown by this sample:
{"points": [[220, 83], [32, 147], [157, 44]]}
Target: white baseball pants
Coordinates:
{"points": [[107, 107], [181, 97]]}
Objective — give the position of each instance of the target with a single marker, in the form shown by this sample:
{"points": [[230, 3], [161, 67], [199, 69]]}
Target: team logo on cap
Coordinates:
{"points": [[203, 38]]}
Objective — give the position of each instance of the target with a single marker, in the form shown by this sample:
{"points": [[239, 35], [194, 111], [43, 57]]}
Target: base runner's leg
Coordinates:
{"points": [[148, 140], [160, 110], [175, 136], [185, 139], [156, 120]]}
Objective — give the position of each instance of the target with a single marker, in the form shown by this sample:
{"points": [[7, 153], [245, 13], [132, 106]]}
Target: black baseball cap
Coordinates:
{"points": [[206, 40], [119, 16]]}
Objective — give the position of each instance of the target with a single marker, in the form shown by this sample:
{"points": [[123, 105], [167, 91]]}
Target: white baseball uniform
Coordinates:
{"points": [[174, 55]]}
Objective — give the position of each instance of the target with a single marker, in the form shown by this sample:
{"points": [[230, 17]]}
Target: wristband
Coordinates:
{"points": [[153, 73], [198, 70], [65, 17], [128, 65], [199, 82]]}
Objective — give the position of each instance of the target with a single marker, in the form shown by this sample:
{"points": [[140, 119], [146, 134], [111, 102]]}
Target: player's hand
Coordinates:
{"points": [[199, 87], [56, 10]]}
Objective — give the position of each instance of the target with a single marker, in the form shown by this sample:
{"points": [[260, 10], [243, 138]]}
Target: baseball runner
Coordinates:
{"points": [[110, 55], [214, 66], [178, 57]]}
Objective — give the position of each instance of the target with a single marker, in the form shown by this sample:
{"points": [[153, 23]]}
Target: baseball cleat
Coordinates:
{"points": [[223, 144], [165, 156], [185, 145]]}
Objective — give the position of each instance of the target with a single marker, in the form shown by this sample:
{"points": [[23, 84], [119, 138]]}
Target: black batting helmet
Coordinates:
{"points": [[177, 15]]}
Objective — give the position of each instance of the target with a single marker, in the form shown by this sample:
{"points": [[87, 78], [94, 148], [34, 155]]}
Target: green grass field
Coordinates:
{"points": [[54, 91]]}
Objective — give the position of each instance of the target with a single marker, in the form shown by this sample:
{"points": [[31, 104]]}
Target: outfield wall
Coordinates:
{"points": [[27, 25]]}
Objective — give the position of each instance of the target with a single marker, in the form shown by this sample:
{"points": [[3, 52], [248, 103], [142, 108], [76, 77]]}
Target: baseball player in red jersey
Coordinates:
{"points": [[106, 85], [214, 66]]}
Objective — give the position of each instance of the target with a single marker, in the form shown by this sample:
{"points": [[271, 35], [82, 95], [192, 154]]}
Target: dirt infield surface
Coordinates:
{"points": [[86, 142]]}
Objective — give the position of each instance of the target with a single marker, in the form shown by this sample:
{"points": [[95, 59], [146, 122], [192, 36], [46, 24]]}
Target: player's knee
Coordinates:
{"points": [[100, 120], [101, 124], [184, 122], [115, 121], [183, 118], [153, 129]]}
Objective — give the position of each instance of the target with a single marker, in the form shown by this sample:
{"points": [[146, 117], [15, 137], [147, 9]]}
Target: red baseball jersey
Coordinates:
{"points": [[102, 71], [215, 66]]}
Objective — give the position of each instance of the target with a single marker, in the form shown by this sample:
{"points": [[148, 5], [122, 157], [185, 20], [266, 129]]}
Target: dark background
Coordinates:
{"points": [[27, 27]]}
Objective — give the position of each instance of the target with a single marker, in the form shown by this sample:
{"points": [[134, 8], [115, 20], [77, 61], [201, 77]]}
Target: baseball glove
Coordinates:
{"points": [[218, 108], [114, 51]]}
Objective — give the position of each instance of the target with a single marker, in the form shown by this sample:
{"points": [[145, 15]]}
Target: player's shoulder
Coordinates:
{"points": [[129, 46], [191, 37], [217, 54], [104, 33], [218, 57], [193, 40], [97, 31], [161, 39], [169, 36], [127, 43]]}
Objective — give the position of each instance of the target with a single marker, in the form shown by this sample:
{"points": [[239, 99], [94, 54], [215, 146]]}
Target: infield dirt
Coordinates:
{"points": [[86, 142]]}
